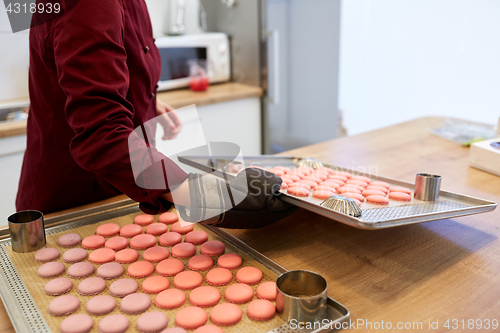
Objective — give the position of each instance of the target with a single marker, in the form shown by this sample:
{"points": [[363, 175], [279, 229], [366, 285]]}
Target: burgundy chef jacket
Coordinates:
{"points": [[92, 80]]}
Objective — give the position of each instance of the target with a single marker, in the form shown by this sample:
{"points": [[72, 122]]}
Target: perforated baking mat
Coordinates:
{"points": [[22, 290], [396, 213]]}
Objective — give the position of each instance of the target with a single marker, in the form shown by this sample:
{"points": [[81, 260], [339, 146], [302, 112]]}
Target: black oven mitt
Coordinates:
{"points": [[251, 200]]}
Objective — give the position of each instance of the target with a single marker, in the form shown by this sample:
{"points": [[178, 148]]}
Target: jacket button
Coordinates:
{"points": [[152, 95], [146, 49]]}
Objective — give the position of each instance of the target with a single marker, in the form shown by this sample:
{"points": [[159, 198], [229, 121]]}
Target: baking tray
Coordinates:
{"points": [[373, 216], [26, 315]]}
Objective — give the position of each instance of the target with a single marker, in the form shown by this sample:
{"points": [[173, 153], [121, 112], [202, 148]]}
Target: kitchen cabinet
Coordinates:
{"points": [[11, 159]]}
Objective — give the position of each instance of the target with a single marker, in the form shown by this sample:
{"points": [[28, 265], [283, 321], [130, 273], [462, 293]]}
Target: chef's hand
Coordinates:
{"points": [[252, 200], [168, 119]]}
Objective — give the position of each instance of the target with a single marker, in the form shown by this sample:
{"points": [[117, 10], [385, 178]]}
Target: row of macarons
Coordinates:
{"points": [[325, 182], [192, 317]]}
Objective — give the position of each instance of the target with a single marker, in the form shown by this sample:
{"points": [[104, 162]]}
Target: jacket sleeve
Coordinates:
{"points": [[91, 61]]}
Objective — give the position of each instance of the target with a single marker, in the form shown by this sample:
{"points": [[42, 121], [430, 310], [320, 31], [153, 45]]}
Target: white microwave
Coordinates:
{"points": [[176, 51]]}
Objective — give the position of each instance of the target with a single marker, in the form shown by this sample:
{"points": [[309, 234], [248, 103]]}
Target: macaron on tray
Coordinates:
{"points": [[384, 202], [143, 273]]}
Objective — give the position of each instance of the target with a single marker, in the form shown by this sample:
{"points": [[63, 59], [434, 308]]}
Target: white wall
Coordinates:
{"points": [[402, 59], [13, 61]]}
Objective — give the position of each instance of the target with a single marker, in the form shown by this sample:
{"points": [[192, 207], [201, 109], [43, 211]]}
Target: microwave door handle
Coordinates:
{"points": [[275, 41]]}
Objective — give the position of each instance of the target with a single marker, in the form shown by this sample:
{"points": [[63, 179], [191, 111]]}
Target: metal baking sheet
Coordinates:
{"points": [[26, 316], [396, 213]]}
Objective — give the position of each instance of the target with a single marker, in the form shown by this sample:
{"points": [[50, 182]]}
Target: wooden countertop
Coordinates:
{"points": [[440, 270], [216, 93]]}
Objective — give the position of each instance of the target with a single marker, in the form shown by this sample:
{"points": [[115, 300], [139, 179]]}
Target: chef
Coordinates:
{"points": [[92, 80]]}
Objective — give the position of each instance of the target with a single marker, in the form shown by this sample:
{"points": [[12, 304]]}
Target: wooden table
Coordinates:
{"points": [[422, 273]]}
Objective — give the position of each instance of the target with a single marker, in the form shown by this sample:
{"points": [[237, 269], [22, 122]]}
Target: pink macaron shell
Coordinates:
{"points": [[93, 242], [339, 177], [101, 256], [399, 196], [135, 303], [249, 275], [219, 277], [140, 269], [110, 270], [47, 254], [322, 194], [362, 178], [284, 186], [168, 218], [108, 229], [152, 322], [123, 287], [330, 183], [342, 173], [116, 243], [292, 177], [213, 248], [130, 230], [58, 286], [77, 323], [196, 237], [298, 191], [170, 239], [187, 280], [356, 196], [208, 329], [378, 188], [156, 229], [305, 169], [239, 293], [299, 184], [80, 270], [126, 256], [229, 261], [261, 310], [69, 240], [74, 255], [182, 227], [169, 267], [312, 178], [51, 269], [100, 305], [191, 317], [226, 314], [144, 219], [204, 297], [183, 250], [174, 330], [284, 168], [311, 183], [372, 192], [91, 286], [377, 199], [380, 183], [115, 323], [286, 180], [200, 262], [155, 254], [170, 299], [142, 241], [267, 290], [400, 189], [64, 305], [155, 284], [325, 188], [320, 175]]}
